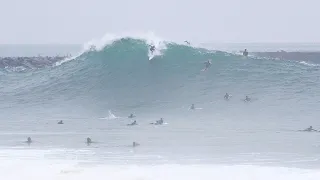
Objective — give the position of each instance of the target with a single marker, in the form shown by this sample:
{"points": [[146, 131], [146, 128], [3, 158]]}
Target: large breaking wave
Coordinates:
{"points": [[117, 71]]}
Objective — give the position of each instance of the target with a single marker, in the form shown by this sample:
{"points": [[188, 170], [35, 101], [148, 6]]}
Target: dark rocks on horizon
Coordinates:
{"points": [[30, 62]]}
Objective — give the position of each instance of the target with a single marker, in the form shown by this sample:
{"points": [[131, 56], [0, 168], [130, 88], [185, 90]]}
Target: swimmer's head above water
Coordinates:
{"points": [[29, 140], [310, 128], [134, 144]]}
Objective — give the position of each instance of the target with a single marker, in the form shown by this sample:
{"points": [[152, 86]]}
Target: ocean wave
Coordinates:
{"points": [[117, 69], [309, 64]]}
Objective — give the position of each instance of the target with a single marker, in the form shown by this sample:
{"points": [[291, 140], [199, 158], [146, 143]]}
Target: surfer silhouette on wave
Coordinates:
{"points": [[207, 65], [152, 48]]}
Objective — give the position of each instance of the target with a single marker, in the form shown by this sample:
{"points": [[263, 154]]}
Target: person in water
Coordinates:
{"points": [[29, 141], [309, 129], [60, 122], [159, 122], [245, 52], [227, 96], [207, 64], [187, 42], [247, 99], [131, 116], [152, 48], [134, 144], [192, 107], [89, 141], [133, 123]]}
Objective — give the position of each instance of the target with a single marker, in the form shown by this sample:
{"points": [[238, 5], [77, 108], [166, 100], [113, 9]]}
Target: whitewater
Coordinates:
{"points": [[95, 90]]}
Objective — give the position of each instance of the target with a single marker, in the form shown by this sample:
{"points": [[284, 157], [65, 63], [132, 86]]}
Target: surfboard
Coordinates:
{"points": [[151, 56]]}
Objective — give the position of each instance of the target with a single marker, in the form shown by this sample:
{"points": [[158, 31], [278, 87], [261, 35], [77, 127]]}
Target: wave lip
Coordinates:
{"points": [[149, 38]]}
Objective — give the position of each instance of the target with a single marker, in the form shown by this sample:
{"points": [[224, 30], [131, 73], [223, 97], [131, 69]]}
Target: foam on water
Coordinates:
{"points": [[73, 170], [110, 116], [308, 64]]}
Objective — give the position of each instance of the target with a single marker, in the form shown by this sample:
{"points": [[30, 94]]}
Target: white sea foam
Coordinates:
{"points": [[308, 64], [17, 169]]}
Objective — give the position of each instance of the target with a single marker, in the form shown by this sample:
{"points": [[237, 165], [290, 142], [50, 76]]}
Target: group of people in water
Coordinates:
{"points": [[153, 48], [89, 141], [207, 63], [161, 122], [134, 123], [227, 96]]}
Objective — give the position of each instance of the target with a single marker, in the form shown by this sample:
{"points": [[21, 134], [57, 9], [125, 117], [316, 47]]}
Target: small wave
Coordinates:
{"points": [[15, 69], [309, 64]]}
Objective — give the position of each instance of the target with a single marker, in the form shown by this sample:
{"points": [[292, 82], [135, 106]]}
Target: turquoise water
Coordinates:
{"points": [[95, 91]]}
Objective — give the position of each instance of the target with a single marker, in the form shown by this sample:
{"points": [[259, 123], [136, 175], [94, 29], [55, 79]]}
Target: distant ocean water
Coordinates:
{"points": [[94, 91]]}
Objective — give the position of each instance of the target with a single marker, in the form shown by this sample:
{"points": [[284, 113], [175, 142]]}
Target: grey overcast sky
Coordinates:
{"points": [[78, 21]]}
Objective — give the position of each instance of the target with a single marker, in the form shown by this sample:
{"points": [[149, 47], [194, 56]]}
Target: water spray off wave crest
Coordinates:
{"points": [[108, 39]]}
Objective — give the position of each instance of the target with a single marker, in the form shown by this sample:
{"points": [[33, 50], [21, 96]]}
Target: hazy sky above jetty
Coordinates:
{"points": [[78, 21]]}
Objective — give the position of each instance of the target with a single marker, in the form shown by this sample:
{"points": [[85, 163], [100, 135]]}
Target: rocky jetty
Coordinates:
{"points": [[29, 62]]}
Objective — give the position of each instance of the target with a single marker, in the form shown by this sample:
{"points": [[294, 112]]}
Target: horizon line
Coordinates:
{"points": [[77, 44]]}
